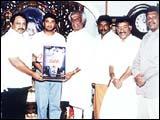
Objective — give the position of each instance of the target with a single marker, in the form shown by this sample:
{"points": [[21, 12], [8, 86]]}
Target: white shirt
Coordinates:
{"points": [[41, 39], [14, 44], [110, 36], [104, 56], [147, 63]]}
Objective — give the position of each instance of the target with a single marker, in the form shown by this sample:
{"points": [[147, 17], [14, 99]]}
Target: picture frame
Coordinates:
{"points": [[54, 58]]}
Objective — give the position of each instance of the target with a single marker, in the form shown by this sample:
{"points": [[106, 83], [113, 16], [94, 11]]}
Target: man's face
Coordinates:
{"points": [[76, 21], [153, 20], [123, 30], [49, 24], [103, 27], [19, 24]]}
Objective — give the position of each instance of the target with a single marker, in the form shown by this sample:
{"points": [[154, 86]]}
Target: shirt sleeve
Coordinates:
{"points": [[153, 63]]}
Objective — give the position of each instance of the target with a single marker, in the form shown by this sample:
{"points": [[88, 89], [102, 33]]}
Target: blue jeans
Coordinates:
{"points": [[48, 93]]}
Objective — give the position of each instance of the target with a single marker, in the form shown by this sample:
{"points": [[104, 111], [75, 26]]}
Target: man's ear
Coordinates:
{"points": [[130, 27], [10, 24], [43, 24], [57, 28], [110, 25]]}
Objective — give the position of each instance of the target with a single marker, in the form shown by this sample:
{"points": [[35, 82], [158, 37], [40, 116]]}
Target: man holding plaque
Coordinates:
{"points": [[48, 62], [80, 49]]}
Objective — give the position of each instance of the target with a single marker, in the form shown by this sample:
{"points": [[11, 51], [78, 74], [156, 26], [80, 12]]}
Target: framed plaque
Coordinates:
{"points": [[54, 63]]}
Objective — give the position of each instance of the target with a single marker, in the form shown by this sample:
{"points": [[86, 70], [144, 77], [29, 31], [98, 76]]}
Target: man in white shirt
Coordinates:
{"points": [[48, 92], [105, 48], [80, 46], [116, 103], [16, 72], [145, 69], [104, 51]]}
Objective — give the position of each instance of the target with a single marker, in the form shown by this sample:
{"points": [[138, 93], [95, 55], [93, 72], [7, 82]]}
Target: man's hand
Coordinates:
{"points": [[70, 74], [37, 76], [117, 83], [139, 80]]}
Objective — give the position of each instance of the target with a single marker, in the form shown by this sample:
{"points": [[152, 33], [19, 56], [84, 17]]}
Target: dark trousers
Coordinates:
{"points": [[13, 103]]}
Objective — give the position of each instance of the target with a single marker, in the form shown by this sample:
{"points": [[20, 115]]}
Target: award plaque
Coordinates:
{"points": [[54, 63]]}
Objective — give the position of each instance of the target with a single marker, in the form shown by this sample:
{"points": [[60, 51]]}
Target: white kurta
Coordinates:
{"points": [[104, 51], [122, 103], [77, 90]]}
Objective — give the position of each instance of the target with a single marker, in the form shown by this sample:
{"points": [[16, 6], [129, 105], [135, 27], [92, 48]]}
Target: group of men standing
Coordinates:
{"points": [[127, 56], [92, 56]]}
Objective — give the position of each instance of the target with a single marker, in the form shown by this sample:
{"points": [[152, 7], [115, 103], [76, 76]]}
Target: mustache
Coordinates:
{"points": [[49, 30], [21, 29], [122, 32]]}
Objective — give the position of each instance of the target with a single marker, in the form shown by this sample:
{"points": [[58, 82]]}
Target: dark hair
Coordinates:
{"points": [[47, 15], [18, 14], [104, 18], [153, 8], [123, 19]]}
